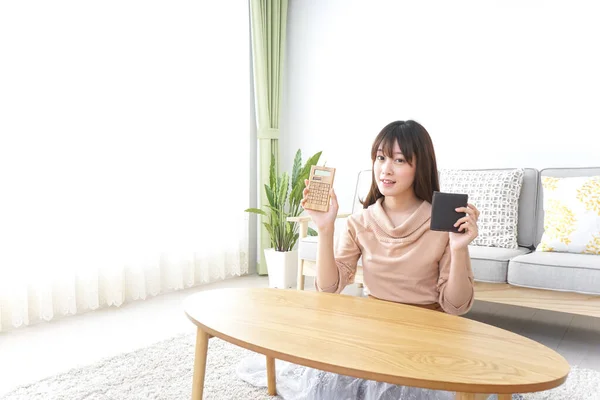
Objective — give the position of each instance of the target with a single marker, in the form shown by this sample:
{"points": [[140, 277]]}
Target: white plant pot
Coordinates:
{"points": [[282, 267]]}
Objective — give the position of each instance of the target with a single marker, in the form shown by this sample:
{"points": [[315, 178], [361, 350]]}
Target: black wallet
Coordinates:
{"points": [[443, 214]]}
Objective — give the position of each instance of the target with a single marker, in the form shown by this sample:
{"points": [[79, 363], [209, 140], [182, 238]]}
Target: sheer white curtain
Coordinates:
{"points": [[124, 141]]}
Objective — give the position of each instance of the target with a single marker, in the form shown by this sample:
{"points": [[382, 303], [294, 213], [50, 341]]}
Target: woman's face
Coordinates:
{"points": [[393, 174]]}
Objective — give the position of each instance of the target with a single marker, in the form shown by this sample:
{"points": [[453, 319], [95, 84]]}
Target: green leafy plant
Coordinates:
{"points": [[284, 196]]}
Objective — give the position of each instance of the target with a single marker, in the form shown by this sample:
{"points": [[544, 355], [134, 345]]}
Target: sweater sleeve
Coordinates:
{"points": [[466, 284], [347, 253]]}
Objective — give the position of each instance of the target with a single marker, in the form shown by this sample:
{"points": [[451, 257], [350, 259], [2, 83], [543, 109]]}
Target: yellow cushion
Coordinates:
{"points": [[571, 215]]}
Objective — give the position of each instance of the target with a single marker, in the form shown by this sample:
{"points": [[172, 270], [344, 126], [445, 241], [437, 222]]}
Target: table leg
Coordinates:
{"points": [[199, 364], [300, 284], [464, 396], [474, 396], [271, 376]]}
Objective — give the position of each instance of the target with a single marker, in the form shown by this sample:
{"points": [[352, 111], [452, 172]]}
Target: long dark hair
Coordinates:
{"points": [[414, 142]]}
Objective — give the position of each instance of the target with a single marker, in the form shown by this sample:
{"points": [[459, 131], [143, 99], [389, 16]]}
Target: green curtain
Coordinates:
{"points": [[268, 24]]}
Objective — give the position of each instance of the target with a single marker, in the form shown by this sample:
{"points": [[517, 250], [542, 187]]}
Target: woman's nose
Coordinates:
{"points": [[387, 167]]}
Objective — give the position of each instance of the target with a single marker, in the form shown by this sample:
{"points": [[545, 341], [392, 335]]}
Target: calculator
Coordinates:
{"points": [[320, 182]]}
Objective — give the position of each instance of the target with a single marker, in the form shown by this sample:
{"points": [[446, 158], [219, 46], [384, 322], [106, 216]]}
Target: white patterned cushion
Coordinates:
{"points": [[495, 193], [571, 215]]}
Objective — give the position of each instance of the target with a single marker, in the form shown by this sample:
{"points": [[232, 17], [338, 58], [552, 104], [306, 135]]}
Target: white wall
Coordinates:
{"points": [[496, 83]]}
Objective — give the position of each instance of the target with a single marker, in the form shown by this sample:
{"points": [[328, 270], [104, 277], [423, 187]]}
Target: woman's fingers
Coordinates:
{"points": [[468, 223], [469, 210], [468, 218], [465, 210], [334, 201], [475, 210], [469, 227], [461, 221], [464, 225], [462, 210], [305, 192]]}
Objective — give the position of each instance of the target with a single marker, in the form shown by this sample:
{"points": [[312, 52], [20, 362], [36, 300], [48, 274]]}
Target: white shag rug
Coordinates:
{"points": [[164, 371]]}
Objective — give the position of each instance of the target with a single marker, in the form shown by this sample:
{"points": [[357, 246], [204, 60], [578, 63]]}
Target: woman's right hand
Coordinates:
{"points": [[323, 220]]}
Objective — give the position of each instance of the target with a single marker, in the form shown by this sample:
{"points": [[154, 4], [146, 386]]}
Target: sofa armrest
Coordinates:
{"points": [[343, 215], [304, 220], [298, 219]]}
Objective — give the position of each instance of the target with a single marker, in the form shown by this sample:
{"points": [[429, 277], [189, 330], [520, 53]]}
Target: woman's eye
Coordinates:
{"points": [[399, 160], [380, 158]]}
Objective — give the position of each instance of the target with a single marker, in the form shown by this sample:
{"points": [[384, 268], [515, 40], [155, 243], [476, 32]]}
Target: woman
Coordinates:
{"points": [[403, 260]]}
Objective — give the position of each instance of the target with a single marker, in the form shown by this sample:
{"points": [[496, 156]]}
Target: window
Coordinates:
{"points": [[124, 151]]}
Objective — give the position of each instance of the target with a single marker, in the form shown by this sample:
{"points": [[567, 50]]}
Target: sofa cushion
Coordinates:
{"points": [[307, 248], [571, 214], [556, 271], [490, 264], [558, 173], [496, 194]]}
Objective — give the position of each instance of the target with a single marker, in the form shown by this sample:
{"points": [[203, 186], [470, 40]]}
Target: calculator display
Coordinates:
{"points": [[320, 172]]}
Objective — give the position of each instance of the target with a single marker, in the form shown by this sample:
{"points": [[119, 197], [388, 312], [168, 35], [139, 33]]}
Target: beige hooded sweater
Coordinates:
{"points": [[406, 264]]}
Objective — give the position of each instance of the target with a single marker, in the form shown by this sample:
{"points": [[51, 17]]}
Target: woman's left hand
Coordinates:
{"points": [[467, 227]]}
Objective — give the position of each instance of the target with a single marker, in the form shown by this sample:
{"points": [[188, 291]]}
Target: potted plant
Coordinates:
{"points": [[284, 196]]}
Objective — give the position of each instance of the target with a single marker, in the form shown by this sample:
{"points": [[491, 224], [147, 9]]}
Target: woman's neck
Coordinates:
{"points": [[401, 204]]}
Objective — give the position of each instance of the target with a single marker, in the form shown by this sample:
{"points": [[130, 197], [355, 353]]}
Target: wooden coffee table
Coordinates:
{"points": [[372, 339]]}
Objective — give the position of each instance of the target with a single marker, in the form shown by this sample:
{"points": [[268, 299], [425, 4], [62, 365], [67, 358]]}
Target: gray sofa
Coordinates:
{"points": [[562, 282]]}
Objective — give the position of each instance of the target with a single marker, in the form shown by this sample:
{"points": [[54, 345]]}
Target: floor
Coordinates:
{"points": [[39, 351]]}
